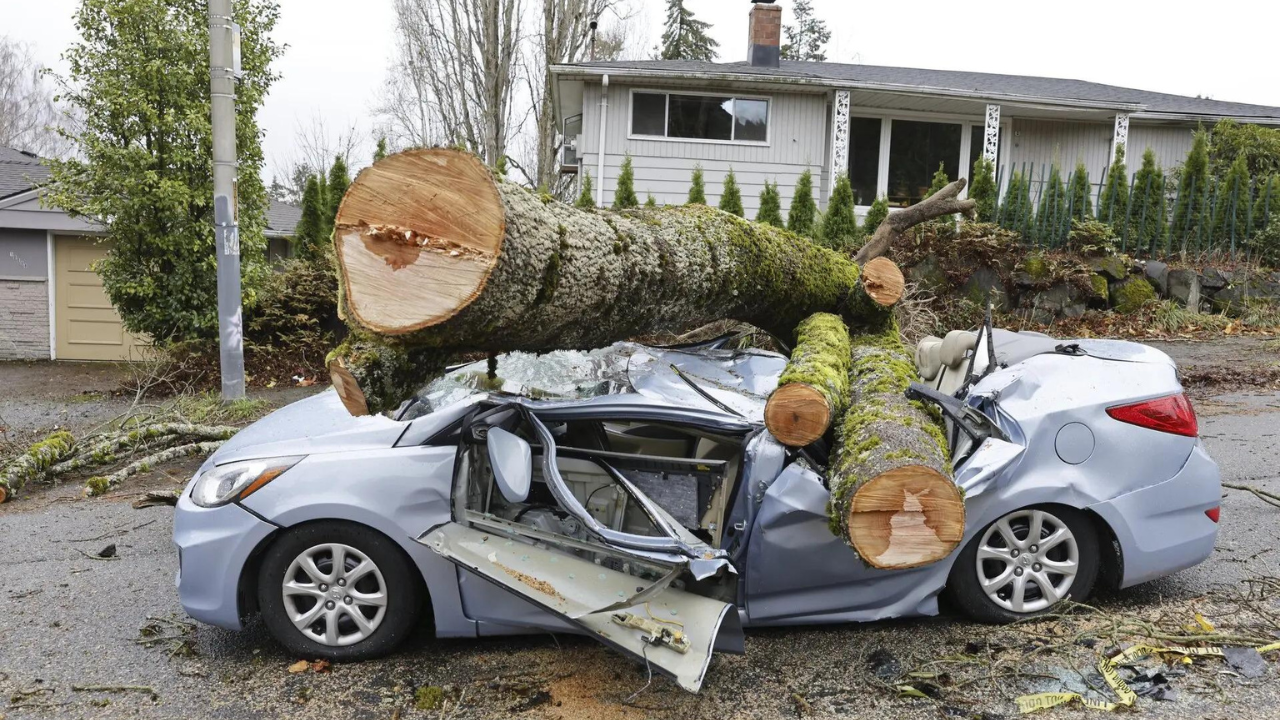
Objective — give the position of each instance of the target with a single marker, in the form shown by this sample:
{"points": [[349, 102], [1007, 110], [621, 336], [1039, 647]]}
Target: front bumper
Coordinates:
{"points": [[1163, 528], [214, 544]]}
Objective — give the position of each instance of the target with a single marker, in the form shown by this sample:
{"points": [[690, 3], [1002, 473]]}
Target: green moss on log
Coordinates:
{"points": [[35, 462], [821, 358]]}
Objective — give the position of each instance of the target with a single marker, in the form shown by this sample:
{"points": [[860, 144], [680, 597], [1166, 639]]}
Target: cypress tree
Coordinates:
{"points": [[731, 196], [839, 224], [1015, 211], [697, 190], [1190, 210], [1266, 205], [586, 200], [804, 210], [311, 225], [770, 212], [940, 181], [1053, 203], [1079, 195], [624, 194], [876, 215], [684, 37], [339, 181], [1231, 215], [381, 150], [983, 189], [650, 202], [1113, 204], [1149, 222]]}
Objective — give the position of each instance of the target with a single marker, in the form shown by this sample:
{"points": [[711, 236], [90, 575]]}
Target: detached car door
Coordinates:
{"points": [[662, 597]]}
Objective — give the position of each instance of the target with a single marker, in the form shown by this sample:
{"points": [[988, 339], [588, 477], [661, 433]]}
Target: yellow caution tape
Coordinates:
{"points": [[1108, 668]]}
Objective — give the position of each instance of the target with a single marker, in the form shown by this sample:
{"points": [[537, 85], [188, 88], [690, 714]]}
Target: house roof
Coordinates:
{"points": [[282, 219], [20, 171], [950, 82]]}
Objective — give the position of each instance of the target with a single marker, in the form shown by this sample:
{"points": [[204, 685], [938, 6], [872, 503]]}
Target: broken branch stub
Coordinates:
{"points": [[890, 232], [438, 258]]}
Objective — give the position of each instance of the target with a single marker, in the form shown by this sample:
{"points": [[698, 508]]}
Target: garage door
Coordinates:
{"points": [[87, 325]]}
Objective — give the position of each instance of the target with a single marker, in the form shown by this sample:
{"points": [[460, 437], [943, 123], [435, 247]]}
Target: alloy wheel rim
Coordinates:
{"points": [[334, 594], [1027, 561]]}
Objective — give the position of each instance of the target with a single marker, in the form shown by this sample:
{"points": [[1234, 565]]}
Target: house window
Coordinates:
{"points": [[700, 117], [864, 157], [916, 149], [978, 140]]}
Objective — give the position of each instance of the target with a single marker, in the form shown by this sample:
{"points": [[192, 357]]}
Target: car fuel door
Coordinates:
{"points": [[662, 597]]}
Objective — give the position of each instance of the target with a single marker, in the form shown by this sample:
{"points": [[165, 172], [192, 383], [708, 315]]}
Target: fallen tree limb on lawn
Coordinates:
{"points": [[100, 484], [891, 232], [437, 258], [892, 495]]}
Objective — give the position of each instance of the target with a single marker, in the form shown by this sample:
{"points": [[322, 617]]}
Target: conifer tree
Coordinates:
{"points": [[1231, 213], [1267, 204], [1052, 207], [685, 37], [839, 225], [731, 196], [650, 202], [697, 190], [807, 38], [1016, 212], [310, 230], [1113, 204], [1191, 209], [1149, 223], [339, 181], [586, 200], [875, 215], [1079, 198], [381, 150], [940, 180], [983, 189], [770, 212], [624, 194], [803, 211]]}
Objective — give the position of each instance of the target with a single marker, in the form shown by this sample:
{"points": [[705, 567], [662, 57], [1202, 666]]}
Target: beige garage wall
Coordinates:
{"points": [[86, 325]]}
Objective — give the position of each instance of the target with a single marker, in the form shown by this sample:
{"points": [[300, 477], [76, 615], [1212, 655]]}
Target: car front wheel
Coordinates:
{"points": [[338, 591], [1024, 563]]}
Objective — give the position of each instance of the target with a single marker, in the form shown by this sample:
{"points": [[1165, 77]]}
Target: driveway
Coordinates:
{"points": [[68, 621]]}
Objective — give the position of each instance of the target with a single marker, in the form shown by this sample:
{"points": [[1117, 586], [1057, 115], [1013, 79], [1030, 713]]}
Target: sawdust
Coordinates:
{"points": [[541, 586]]}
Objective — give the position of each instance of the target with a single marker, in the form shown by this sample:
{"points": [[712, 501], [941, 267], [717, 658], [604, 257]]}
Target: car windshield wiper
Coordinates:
{"points": [[705, 395]]}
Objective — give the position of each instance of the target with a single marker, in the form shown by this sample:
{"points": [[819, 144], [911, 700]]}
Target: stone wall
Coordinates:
{"points": [[24, 320]]}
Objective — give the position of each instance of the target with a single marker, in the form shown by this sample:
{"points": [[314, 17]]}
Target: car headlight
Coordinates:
{"points": [[238, 480]]}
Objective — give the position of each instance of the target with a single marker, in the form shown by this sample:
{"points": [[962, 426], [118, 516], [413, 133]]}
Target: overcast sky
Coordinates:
{"points": [[338, 50]]}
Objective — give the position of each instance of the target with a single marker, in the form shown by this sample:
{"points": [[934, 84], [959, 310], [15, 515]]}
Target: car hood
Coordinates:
{"points": [[318, 424]]}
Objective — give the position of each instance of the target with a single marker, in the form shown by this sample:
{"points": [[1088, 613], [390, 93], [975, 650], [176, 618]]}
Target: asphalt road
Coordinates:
{"points": [[69, 621]]}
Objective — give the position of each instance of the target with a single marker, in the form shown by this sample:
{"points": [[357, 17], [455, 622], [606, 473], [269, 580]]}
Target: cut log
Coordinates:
{"points": [[814, 387], [892, 494], [437, 258], [890, 232]]}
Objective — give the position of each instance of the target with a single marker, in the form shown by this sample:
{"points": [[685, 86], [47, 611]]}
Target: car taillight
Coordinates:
{"points": [[1171, 414], [1213, 513]]}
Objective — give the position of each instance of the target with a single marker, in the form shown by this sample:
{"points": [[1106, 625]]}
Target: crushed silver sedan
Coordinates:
{"points": [[632, 494]]}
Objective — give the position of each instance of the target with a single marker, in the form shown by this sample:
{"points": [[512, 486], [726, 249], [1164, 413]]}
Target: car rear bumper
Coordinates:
{"points": [[213, 546], [1163, 528]]}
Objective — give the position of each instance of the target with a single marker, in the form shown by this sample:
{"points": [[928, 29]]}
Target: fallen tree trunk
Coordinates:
{"points": [[437, 258], [813, 389], [892, 494]]}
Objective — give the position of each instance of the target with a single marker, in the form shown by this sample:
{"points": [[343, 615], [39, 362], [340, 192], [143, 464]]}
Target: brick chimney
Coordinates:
{"points": [[764, 34]]}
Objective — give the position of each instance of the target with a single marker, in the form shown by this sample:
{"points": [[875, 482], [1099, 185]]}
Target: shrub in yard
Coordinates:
{"points": [[295, 323], [586, 200], [1078, 197], [983, 189], [697, 189], [839, 225], [624, 194], [337, 186], [1231, 211], [1267, 204], [1230, 139], [1113, 203], [1265, 244], [878, 211], [1052, 207], [770, 212], [731, 196], [1091, 238], [804, 211], [307, 239], [1148, 221], [1015, 212], [650, 203], [1191, 208]]}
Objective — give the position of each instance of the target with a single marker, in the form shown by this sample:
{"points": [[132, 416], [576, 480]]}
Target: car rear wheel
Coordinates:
{"points": [[1024, 563], [338, 591]]}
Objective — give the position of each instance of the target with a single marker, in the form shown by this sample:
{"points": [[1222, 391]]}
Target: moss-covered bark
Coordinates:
{"points": [[33, 463], [814, 387], [892, 496], [565, 278]]}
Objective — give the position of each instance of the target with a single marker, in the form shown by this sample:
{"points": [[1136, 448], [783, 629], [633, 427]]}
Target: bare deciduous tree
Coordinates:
{"points": [[29, 116], [315, 147]]}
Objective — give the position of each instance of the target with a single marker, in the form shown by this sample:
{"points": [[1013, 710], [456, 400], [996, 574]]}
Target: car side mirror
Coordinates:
{"points": [[512, 463]]}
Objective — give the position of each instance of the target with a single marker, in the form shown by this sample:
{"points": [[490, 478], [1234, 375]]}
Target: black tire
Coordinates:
{"points": [[405, 591], [964, 588]]}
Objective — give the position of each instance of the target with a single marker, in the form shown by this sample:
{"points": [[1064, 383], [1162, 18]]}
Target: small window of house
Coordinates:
{"points": [[916, 149], [700, 117], [978, 142], [864, 158], [648, 114]]}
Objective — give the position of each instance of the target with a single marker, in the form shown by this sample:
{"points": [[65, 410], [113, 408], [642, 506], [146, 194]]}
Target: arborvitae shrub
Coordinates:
{"points": [[624, 195], [697, 190], [731, 196], [804, 211], [770, 212]]}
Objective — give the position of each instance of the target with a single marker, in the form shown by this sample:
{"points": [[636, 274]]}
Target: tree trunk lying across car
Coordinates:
{"points": [[439, 258]]}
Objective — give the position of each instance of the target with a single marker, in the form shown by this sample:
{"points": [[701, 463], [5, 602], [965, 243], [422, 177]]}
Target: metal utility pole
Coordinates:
{"points": [[224, 37]]}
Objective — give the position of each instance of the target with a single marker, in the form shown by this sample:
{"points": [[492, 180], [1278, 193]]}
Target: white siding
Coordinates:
{"points": [[797, 138], [1171, 144], [1039, 142]]}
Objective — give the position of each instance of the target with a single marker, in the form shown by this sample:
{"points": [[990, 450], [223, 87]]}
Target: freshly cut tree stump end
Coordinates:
{"points": [[906, 517], [814, 387], [417, 236], [883, 282], [349, 392]]}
